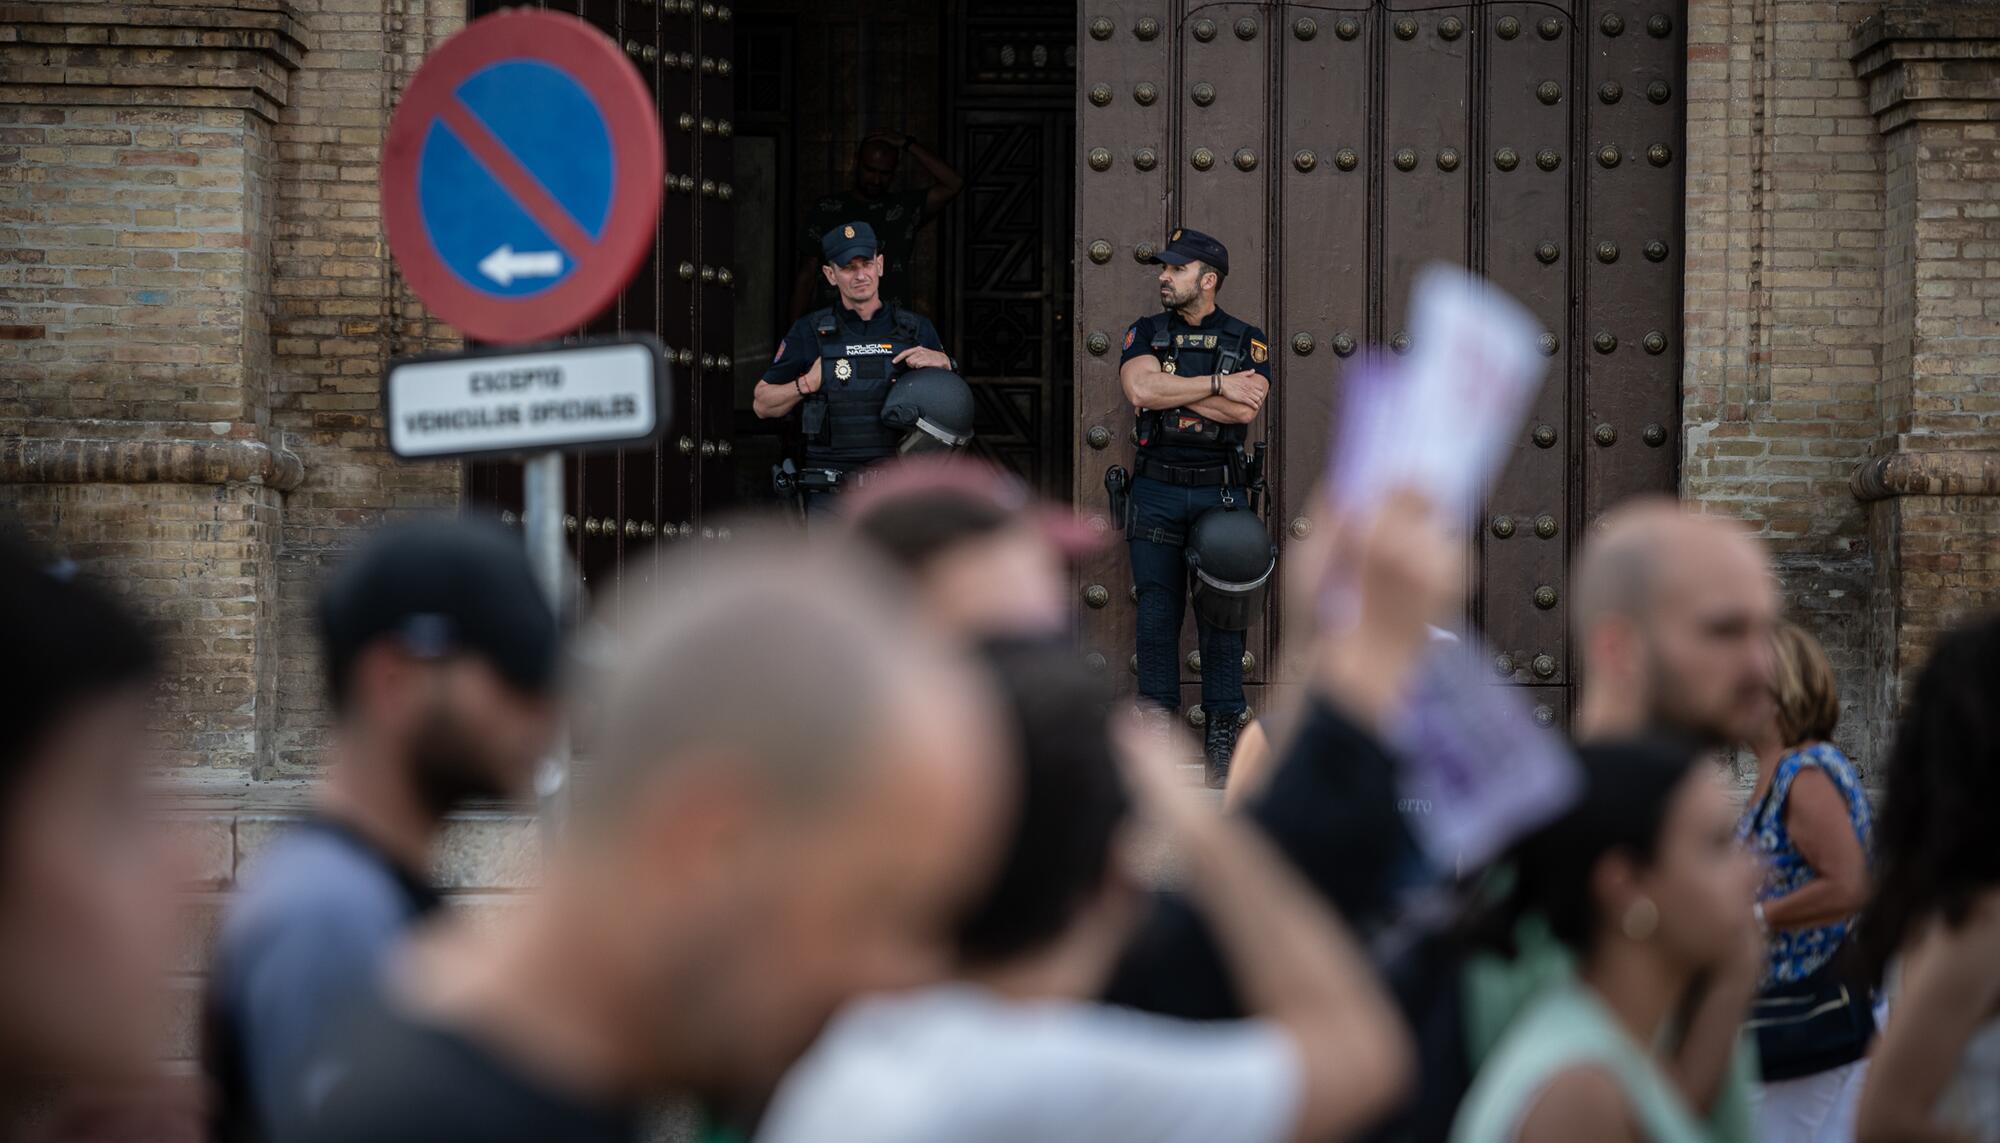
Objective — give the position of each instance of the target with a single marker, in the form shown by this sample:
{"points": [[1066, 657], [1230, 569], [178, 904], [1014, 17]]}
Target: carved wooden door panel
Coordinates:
{"points": [[1337, 150], [1010, 81]]}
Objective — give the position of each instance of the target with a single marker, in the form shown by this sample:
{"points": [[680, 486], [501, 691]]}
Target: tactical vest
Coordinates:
{"points": [[854, 378], [1196, 353]]}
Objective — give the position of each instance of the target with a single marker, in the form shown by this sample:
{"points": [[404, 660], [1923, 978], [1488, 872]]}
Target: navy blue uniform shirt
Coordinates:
{"points": [[800, 348], [1139, 343]]}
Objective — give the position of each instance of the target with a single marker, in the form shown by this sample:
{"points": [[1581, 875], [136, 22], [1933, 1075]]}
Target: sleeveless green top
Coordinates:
{"points": [[1529, 1019]]}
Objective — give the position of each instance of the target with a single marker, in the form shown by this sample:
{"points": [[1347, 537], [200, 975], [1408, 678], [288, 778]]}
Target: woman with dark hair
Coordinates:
{"points": [[1809, 820], [85, 899], [1629, 917], [1933, 927]]}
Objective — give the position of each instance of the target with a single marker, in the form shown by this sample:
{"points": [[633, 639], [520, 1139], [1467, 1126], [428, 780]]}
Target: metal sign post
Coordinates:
{"points": [[541, 520]]}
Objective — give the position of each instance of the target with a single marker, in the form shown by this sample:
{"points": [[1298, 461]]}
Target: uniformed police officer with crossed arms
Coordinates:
{"points": [[1197, 377], [836, 366]]}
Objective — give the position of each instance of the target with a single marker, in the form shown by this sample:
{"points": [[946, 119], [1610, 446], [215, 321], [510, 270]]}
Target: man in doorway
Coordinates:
{"points": [[836, 365], [895, 215], [441, 663], [1674, 616], [1197, 377]]}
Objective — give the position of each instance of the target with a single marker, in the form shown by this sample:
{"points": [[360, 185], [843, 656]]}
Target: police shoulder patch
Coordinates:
{"points": [[1259, 352], [1129, 335]]}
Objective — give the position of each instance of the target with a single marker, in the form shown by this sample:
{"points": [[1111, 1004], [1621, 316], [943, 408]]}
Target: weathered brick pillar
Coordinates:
{"points": [[136, 219], [1932, 483]]}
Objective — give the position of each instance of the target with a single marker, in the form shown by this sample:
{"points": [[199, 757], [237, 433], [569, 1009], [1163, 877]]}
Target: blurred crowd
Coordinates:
{"points": [[852, 853]]}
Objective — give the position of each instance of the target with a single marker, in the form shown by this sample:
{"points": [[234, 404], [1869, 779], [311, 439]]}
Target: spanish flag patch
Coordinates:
{"points": [[1259, 352]]}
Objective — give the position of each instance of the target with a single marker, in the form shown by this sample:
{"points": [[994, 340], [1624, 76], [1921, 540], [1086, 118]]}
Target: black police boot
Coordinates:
{"points": [[1218, 746]]}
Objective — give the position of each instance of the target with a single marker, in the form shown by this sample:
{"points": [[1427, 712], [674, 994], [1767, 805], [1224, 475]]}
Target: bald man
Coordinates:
{"points": [[794, 794], [1674, 614]]}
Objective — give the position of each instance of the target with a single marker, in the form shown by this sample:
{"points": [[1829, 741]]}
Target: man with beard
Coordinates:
{"points": [[1197, 377], [441, 664], [1674, 616]]}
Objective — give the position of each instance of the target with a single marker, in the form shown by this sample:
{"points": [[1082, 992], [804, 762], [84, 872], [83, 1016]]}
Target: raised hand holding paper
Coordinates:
{"points": [[1440, 424], [1440, 421]]}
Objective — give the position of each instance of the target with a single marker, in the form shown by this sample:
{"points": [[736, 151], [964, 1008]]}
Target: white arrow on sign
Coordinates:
{"points": [[504, 265]]}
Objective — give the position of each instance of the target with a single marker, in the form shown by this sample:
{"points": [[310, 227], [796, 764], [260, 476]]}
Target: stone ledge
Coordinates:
{"points": [[81, 461], [1936, 473], [1935, 62], [490, 846], [227, 55]]}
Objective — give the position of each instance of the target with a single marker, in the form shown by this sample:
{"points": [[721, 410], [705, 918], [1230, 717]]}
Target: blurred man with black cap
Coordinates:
{"points": [[1197, 377], [836, 365], [441, 664]]}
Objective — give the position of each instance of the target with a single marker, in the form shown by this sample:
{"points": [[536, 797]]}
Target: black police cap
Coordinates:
{"points": [[850, 240], [1184, 246]]}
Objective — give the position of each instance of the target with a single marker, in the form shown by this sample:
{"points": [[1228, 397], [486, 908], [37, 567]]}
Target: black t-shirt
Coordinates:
{"points": [[303, 935], [1194, 361], [394, 1079]]}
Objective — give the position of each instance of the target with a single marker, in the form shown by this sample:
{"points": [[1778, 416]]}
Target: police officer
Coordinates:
{"points": [[836, 366], [1197, 378]]}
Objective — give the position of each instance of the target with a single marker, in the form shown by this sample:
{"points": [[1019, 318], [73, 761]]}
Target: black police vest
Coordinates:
{"points": [[1193, 352], [854, 378]]}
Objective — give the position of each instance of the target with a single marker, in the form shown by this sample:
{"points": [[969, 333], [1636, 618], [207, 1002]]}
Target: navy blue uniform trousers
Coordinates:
{"points": [[1161, 516]]}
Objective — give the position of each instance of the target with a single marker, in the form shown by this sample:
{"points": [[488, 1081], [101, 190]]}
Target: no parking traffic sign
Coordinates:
{"points": [[521, 177]]}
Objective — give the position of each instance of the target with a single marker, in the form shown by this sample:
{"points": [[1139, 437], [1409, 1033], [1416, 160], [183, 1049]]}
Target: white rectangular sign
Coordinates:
{"points": [[595, 394]]}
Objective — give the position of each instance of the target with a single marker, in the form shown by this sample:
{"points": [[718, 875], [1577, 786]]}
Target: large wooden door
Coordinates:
{"points": [[1336, 150], [629, 507]]}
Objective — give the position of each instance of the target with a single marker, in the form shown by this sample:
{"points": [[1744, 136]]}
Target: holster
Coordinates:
{"points": [[785, 482], [1118, 489]]}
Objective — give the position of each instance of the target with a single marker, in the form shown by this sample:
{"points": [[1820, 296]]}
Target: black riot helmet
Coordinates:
{"points": [[1232, 557], [934, 405]]}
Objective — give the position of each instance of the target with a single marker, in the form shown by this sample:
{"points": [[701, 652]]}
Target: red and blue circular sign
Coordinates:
{"points": [[521, 177]]}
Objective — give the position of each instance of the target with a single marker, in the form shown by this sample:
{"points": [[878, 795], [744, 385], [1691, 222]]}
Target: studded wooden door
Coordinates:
{"points": [[627, 507], [1337, 149]]}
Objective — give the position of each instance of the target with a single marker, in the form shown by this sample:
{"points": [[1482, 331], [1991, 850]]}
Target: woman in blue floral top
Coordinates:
{"points": [[1809, 819]]}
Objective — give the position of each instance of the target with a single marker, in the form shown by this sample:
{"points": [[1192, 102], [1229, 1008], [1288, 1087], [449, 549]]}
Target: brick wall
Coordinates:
{"points": [[1785, 226], [1930, 484], [1843, 302], [135, 227], [129, 238], [339, 313]]}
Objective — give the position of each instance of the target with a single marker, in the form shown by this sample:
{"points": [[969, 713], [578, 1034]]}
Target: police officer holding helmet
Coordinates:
{"points": [[1197, 378], [836, 366]]}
